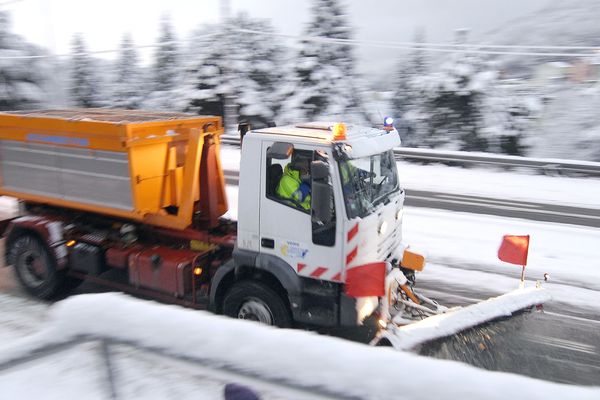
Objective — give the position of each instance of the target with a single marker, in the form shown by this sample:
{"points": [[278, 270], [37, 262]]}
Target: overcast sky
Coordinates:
{"points": [[52, 23]]}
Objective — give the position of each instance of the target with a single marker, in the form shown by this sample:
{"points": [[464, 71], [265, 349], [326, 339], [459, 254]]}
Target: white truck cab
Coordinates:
{"points": [[331, 258]]}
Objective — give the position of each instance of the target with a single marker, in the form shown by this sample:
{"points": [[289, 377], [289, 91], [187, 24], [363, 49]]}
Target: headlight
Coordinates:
{"points": [[399, 214], [383, 228]]}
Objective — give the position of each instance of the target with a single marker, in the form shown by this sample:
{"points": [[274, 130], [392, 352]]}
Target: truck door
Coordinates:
{"points": [[286, 228]]}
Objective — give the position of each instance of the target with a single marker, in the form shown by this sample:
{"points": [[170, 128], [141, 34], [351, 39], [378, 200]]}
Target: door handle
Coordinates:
{"points": [[268, 243]]}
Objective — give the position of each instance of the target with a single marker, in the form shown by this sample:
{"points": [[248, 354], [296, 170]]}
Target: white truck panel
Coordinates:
{"points": [[291, 231], [251, 169]]}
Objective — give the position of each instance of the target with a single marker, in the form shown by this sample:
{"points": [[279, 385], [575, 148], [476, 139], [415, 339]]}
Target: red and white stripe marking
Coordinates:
{"points": [[353, 252], [319, 272], [330, 274]]}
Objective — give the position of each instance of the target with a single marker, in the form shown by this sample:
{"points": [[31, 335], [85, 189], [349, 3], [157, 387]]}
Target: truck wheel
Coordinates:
{"points": [[256, 302], [36, 268]]}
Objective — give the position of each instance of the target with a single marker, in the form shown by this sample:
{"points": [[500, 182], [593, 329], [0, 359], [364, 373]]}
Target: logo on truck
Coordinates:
{"points": [[293, 250], [63, 140]]}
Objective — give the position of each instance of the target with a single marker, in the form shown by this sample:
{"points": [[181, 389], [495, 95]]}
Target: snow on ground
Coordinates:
{"points": [[140, 374], [277, 361], [525, 186], [72, 374], [461, 250], [15, 322], [570, 254]]}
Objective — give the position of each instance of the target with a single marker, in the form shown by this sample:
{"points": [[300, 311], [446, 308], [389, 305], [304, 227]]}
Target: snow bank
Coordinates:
{"points": [[299, 358], [568, 253], [442, 325]]}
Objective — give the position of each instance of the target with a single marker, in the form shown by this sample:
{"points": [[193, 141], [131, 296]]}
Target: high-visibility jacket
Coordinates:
{"points": [[348, 171], [290, 187]]}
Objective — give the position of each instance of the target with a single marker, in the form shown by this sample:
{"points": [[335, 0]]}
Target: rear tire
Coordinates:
{"points": [[255, 301], [35, 268]]}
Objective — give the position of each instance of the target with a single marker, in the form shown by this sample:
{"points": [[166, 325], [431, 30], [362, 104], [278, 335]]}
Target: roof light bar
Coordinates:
{"points": [[388, 123], [339, 131]]}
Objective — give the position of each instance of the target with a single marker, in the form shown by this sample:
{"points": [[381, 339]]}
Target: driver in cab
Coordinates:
{"points": [[294, 184]]}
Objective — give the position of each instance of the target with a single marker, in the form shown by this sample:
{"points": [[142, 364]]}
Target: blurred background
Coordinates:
{"points": [[511, 77]]}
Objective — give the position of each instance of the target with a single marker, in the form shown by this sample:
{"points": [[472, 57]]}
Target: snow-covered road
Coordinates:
{"points": [[461, 247]]}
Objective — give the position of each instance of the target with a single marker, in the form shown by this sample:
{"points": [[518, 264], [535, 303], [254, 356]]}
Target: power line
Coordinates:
{"points": [[444, 45], [108, 51], [427, 47]]}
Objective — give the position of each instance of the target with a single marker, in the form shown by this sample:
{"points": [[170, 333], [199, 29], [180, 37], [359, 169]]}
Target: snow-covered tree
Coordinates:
{"points": [[324, 84], [84, 85], [166, 60], [22, 80], [454, 99], [509, 117], [407, 101], [570, 126], [468, 108], [127, 91], [241, 67], [166, 70]]}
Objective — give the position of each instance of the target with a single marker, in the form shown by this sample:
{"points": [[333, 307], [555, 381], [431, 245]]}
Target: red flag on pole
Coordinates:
{"points": [[514, 249]]}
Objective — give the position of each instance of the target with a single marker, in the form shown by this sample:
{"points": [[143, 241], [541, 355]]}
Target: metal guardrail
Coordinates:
{"points": [[112, 386], [547, 166]]}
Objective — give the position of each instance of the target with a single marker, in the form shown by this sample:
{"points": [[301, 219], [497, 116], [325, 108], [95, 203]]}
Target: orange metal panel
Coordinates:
{"points": [[147, 165], [73, 204], [164, 152], [101, 129], [412, 260]]}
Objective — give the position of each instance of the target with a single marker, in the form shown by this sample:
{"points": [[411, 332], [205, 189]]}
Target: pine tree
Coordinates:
{"points": [[408, 101], [166, 70], [467, 108], [509, 117], [22, 80], [166, 58], [128, 86], [84, 89], [325, 79], [419, 60], [205, 84], [453, 105], [241, 65]]}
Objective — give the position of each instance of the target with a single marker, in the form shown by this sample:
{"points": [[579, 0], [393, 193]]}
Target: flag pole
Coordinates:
{"points": [[522, 282]]}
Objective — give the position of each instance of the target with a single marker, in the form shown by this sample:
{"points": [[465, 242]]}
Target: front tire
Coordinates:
{"points": [[255, 301], [36, 270]]}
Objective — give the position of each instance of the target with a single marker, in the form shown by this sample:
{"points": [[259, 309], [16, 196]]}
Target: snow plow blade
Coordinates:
{"points": [[458, 319]]}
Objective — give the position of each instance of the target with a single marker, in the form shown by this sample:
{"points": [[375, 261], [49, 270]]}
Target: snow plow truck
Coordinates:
{"points": [[136, 201]]}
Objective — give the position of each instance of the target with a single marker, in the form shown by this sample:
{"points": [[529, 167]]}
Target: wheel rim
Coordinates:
{"points": [[256, 310], [33, 270]]}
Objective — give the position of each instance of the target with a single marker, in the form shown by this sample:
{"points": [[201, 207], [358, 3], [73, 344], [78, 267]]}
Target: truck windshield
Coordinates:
{"points": [[367, 182]]}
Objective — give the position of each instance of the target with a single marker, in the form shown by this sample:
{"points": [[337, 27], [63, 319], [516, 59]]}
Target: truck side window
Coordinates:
{"points": [[288, 180]]}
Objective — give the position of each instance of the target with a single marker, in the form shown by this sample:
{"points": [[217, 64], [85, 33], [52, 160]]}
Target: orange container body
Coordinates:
{"points": [[140, 165]]}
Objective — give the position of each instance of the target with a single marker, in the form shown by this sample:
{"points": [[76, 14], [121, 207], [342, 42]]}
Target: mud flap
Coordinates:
{"points": [[458, 319]]}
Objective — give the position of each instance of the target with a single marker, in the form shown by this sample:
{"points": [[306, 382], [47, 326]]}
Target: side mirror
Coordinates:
{"points": [[319, 170], [243, 128], [321, 201]]}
